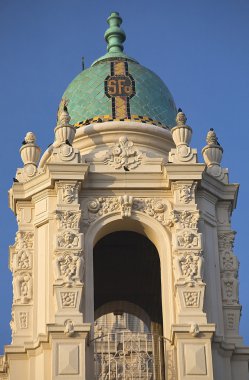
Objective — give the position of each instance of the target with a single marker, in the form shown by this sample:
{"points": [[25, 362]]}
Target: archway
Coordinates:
{"points": [[127, 283], [127, 268]]}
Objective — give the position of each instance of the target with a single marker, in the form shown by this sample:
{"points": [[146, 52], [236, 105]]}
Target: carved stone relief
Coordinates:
{"points": [[69, 327], [188, 266], [183, 219], [124, 155], [126, 205], [23, 320], [188, 239], [101, 206], [68, 219], [191, 298], [68, 239], [68, 192], [69, 267], [184, 192], [153, 207], [22, 288], [68, 299], [13, 323], [23, 240], [230, 288], [22, 260]]}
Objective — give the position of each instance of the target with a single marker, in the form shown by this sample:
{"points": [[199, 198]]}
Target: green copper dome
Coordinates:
{"points": [[116, 87]]}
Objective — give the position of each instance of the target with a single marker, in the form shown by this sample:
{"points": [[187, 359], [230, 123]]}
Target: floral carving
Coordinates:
{"points": [[68, 219], [188, 240], [126, 205], [68, 299], [124, 155], [69, 267], [101, 206], [191, 299], [153, 207], [68, 240]]}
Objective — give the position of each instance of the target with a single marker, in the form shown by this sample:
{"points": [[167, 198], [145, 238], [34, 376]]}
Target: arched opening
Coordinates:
{"points": [[127, 268], [128, 311]]}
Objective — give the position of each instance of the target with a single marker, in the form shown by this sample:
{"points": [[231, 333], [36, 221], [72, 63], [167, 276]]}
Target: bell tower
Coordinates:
{"points": [[123, 263]]}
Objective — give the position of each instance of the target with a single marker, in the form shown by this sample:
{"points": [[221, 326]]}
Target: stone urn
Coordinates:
{"points": [[30, 152], [64, 131], [181, 133], [212, 152]]}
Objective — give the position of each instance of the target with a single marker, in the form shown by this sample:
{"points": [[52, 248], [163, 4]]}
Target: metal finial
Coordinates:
{"points": [[114, 35]]}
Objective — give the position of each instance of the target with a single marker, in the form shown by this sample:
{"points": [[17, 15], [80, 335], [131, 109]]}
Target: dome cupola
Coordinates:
{"points": [[117, 88]]}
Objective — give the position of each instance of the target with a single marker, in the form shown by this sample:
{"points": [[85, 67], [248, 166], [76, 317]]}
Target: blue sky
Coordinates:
{"points": [[199, 48]]}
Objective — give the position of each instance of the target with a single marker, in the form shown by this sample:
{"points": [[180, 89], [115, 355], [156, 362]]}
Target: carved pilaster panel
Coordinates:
{"points": [[229, 266], [69, 267], [68, 193], [184, 193]]}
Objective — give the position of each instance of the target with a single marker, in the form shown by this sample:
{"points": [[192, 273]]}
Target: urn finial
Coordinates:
{"points": [[180, 117], [211, 138], [30, 152], [181, 133], [64, 131], [212, 152]]}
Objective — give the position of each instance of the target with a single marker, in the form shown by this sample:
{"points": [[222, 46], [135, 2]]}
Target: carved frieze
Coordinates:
{"points": [[101, 206], [153, 207]]}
